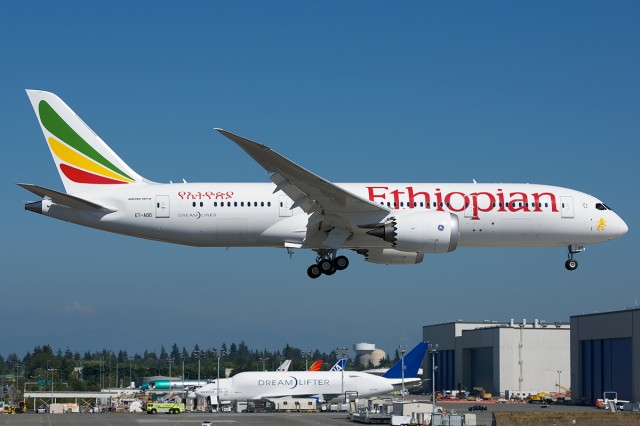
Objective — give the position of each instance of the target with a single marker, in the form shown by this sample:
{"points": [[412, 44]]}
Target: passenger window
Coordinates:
{"points": [[268, 203], [262, 204]]}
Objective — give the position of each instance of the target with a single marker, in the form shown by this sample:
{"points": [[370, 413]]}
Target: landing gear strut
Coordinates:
{"points": [[327, 263], [571, 264]]}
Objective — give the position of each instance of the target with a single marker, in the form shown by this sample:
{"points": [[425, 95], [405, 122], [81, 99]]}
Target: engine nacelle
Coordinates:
{"points": [[421, 231], [389, 256]]}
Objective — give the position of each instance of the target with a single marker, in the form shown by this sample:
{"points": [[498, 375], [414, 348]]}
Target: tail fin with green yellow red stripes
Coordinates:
{"points": [[83, 160]]}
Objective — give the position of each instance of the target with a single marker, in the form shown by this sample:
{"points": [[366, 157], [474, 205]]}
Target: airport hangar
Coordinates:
{"points": [[507, 359], [605, 355], [592, 354]]}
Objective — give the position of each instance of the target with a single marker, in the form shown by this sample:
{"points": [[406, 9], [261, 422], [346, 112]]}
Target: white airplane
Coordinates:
{"points": [[321, 384], [324, 385], [387, 223]]}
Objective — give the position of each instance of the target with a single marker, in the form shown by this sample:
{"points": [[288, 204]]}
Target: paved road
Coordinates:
{"points": [[253, 419]]}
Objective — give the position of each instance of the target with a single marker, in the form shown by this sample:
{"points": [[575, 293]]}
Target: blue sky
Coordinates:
{"points": [[541, 92]]}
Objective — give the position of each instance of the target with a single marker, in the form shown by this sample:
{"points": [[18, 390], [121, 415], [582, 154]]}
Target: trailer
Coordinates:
{"points": [[291, 404]]}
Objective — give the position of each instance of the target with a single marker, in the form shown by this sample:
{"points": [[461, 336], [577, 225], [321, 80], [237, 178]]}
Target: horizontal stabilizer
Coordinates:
{"points": [[64, 199]]}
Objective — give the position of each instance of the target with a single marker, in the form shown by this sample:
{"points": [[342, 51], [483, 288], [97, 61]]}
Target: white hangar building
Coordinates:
{"points": [[503, 358]]}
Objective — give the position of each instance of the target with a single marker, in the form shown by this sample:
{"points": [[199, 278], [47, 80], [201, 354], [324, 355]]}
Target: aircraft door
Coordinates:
{"points": [[285, 206], [566, 207], [162, 206]]}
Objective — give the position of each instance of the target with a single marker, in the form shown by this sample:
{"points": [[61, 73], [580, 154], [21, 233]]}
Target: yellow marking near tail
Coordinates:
{"points": [[76, 159]]}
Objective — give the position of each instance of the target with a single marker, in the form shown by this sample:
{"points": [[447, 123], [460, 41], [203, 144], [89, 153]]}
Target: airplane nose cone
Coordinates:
{"points": [[622, 228]]}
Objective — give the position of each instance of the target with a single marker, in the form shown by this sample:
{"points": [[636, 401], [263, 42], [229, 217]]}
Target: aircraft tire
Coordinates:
{"points": [[330, 271], [341, 263], [314, 271], [325, 265], [571, 264]]}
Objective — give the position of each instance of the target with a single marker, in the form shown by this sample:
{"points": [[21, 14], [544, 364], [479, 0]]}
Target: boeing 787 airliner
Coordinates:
{"points": [[388, 223]]}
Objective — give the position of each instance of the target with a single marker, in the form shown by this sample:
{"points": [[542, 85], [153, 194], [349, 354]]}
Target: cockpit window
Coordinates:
{"points": [[602, 206]]}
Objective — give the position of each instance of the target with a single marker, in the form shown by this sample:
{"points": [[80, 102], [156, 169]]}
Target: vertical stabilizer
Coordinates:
{"points": [[83, 160], [340, 365], [412, 362], [316, 365]]}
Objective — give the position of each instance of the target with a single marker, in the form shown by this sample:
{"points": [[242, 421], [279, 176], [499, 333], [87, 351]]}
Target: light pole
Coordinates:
{"points": [[433, 349], [306, 356], [51, 370], [198, 354], [170, 361], [218, 354], [402, 349], [263, 360], [342, 352], [130, 378], [559, 372]]}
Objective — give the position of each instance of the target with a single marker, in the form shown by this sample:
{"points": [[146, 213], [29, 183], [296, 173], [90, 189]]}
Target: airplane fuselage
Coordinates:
{"points": [[256, 385], [250, 214]]}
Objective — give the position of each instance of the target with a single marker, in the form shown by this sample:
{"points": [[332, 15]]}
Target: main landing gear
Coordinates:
{"points": [[327, 263], [571, 264]]}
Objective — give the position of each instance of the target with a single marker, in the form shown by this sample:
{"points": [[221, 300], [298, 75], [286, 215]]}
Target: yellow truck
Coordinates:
{"points": [[171, 407]]}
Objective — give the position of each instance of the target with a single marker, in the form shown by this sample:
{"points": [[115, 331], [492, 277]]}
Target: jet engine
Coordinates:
{"points": [[420, 231]]}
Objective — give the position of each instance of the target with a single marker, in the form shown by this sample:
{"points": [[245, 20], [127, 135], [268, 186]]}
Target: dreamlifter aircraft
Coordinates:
{"points": [[388, 223], [321, 384]]}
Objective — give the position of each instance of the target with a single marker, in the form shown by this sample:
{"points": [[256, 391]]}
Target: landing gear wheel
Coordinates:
{"points": [[325, 265], [341, 263], [314, 271], [331, 271], [571, 264]]}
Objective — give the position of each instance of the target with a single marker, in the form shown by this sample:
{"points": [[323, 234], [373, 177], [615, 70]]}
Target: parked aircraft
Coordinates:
{"points": [[321, 384], [171, 384], [316, 365], [285, 365], [387, 223], [339, 365]]}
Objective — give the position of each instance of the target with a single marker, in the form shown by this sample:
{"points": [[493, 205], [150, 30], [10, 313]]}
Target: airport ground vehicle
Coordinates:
{"points": [[171, 407], [610, 396], [478, 407], [541, 398]]}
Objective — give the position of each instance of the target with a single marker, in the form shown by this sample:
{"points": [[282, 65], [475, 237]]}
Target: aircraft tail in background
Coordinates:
{"points": [[316, 365], [285, 365], [412, 362], [340, 365]]}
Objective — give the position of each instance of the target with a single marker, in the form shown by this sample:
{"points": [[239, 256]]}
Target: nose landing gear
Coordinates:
{"points": [[327, 263], [571, 264]]}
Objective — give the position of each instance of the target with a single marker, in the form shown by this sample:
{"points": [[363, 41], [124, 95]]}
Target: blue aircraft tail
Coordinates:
{"points": [[412, 362]]}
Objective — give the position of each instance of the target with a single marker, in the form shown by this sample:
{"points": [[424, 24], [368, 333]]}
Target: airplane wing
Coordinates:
{"points": [[339, 213], [64, 199]]}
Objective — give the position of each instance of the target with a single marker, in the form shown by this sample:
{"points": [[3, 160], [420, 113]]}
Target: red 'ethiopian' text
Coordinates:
{"points": [[456, 201]]}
